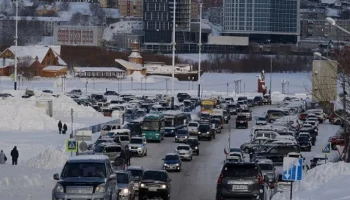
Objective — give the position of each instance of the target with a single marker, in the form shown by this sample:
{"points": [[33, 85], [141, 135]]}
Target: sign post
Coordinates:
{"points": [[71, 146], [292, 171], [327, 150]]}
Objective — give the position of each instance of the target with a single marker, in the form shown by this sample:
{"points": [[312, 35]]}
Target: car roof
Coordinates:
{"points": [[134, 168], [171, 154], [239, 163], [109, 145], [88, 158], [183, 145], [264, 161], [192, 138], [155, 170], [137, 137], [264, 138]]}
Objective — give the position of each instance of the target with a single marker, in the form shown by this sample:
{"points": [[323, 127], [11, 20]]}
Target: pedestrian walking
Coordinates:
{"points": [[14, 155], [3, 157], [59, 126], [64, 130]]}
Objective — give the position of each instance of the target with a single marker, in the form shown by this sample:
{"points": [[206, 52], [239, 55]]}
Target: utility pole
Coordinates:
{"points": [[270, 76], [173, 61], [227, 90], [16, 44], [200, 49]]}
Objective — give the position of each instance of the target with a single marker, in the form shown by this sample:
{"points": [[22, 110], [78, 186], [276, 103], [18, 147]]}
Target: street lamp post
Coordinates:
{"points": [[200, 49], [16, 44], [173, 59]]}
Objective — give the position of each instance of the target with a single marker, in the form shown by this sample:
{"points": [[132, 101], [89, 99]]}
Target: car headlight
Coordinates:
{"points": [[166, 165], [59, 188], [208, 132], [199, 132], [139, 147], [125, 191], [177, 164], [172, 131], [101, 188], [176, 136], [195, 147], [163, 186], [142, 185]]}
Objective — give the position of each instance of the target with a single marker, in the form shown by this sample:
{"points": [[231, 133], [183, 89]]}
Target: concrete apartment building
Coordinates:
{"points": [[78, 35], [321, 29], [194, 9], [262, 20], [130, 8]]}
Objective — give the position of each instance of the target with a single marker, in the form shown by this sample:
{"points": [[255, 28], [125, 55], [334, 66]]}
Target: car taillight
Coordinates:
{"points": [[260, 179], [220, 179]]}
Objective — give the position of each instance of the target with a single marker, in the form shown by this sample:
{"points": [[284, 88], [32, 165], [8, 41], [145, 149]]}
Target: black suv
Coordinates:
{"points": [[240, 180], [204, 131], [155, 183], [277, 153], [194, 144], [258, 100], [183, 96], [242, 121]]}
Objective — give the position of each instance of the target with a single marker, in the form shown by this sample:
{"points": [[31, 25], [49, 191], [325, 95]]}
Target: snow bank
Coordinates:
{"points": [[321, 183], [138, 77], [121, 27], [51, 158]]}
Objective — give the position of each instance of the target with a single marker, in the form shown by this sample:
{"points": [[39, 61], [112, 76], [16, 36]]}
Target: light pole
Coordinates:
{"points": [[200, 49], [16, 44], [173, 61], [270, 75]]}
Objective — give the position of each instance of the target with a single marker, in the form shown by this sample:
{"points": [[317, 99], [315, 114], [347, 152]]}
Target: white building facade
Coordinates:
{"points": [[78, 35]]}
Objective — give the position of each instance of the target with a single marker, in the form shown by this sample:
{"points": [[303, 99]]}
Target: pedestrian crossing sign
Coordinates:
{"points": [[327, 149], [71, 146]]}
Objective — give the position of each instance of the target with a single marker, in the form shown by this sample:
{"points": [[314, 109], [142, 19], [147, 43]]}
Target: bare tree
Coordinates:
{"points": [[6, 7], [25, 68], [98, 15], [64, 6]]}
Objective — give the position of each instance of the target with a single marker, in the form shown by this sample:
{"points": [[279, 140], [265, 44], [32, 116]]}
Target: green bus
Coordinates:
{"points": [[153, 127]]}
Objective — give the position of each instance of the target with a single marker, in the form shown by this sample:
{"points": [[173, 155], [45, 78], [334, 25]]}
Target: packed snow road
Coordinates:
{"points": [[197, 180]]}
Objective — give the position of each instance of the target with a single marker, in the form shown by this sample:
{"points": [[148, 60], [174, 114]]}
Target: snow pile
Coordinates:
{"points": [[62, 108], [51, 158], [322, 183], [136, 76], [20, 115]]}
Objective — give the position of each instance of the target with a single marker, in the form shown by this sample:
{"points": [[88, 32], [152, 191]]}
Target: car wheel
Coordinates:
{"points": [[198, 153], [146, 153], [141, 196], [179, 170], [165, 197], [246, 150]]}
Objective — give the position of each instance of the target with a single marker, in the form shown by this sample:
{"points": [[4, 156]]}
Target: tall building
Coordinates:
{"points": [[130, 8], [275, 21], [158, 19], [194, 9]]}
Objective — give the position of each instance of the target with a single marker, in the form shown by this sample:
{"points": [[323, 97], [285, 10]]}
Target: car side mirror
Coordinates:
{"points": [[56, 176], [112, 177]]}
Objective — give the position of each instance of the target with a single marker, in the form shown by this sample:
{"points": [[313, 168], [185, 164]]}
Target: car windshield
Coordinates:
{"points": [[122, 178], [136, 173], [192, 142], [99, 149], [113, 149], [203, 128], [261, 119], [183, 148], [192, 124], [150, 125], [241, 118], [85, 169], [171, 157], [154, 175], [136, 141], [264, 166], [124, 138], [231, 106], [181, 132], [240, 171], [128, 112], [303, 139], [205, 115], [169, 123]]}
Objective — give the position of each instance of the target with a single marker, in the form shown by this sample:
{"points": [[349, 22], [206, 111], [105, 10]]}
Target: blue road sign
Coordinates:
{"points": [[292, 169], [71, 146], [327, 149]]}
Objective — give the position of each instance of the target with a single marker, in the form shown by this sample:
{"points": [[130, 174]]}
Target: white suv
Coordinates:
{"points": [[138, 146]]}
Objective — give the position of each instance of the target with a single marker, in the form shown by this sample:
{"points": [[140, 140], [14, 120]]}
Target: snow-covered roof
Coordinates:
{"points": [[75, 7], [328, 1], [121, 27], [54, 68], [29, 18], [129, 65], [97, 69], [135, 54], [332, 12], [35, 51], [59, 59], [111, 12]]}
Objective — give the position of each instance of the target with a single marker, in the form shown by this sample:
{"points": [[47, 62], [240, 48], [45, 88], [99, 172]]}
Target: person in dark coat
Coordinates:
{"points": [[59, 126], [64, 130], [14, 155], [128, 155]]}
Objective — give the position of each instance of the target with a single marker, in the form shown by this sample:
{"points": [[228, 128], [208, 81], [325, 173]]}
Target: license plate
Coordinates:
{"points": [[241, 121], [239, 187], [152, 189]]}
